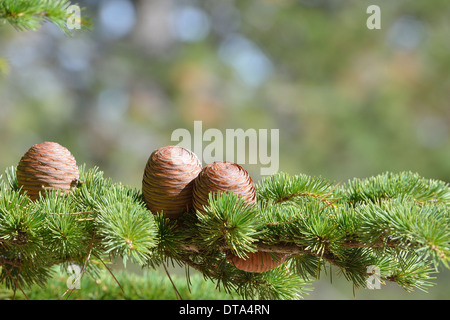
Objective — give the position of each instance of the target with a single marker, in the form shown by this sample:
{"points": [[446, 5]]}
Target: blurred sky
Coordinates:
{"points": [[348, 101]]}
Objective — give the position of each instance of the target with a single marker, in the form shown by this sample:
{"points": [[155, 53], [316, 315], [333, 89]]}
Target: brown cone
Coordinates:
{"points": [[230, 177], [168, 180], [226, 177], [47, 166], [256, 262]]}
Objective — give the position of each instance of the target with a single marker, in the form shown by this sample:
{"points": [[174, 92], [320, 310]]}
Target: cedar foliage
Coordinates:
{"points": [[396, 222], [31, 14]]}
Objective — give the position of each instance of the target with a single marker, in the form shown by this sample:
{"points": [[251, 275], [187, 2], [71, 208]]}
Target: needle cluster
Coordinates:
{"points": [[398, 223]]}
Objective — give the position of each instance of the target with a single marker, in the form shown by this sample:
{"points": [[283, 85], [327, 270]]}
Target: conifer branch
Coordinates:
{"points": [[398, 222], [31, 14]]}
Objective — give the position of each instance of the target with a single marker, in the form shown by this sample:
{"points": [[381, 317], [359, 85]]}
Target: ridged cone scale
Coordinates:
{"points": [[47, 166], [168, 180], [256, 262]]}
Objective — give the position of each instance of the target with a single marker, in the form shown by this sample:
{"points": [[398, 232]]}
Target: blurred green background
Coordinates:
{"points": [[348, 101]]}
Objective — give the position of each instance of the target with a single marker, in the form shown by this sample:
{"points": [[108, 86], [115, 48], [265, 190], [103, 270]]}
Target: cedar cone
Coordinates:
{"points": [[226, 177], [256, 262], [47, 166], [230, 177], [168, 180]]}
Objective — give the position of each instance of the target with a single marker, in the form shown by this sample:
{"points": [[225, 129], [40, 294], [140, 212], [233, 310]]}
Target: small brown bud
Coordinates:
{"points": [[256, 262]]}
